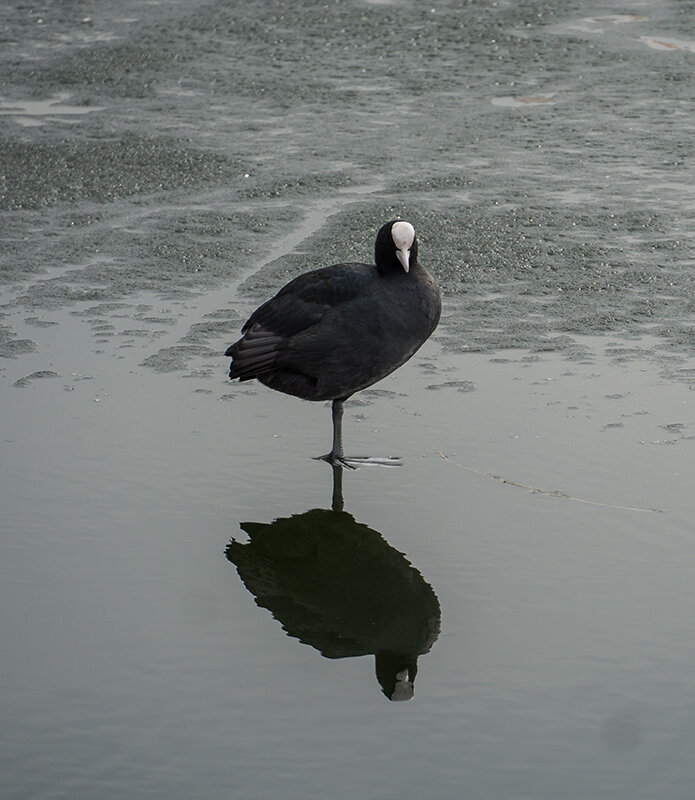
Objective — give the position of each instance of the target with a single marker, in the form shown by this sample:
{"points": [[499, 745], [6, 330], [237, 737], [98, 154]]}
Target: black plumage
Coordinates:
{"points": [[334, 331]]}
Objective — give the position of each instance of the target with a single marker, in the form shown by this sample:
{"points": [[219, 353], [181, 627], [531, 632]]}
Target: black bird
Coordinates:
{"points": [[334, 331]]}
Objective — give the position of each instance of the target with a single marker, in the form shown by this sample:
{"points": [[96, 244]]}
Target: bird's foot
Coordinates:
{"points": [[355, 462]]}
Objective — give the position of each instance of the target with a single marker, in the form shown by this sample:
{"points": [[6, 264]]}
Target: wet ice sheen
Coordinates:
{"points": [[34, 112]]}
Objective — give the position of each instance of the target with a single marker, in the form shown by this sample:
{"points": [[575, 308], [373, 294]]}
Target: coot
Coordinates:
{"points": [[334, 331]]}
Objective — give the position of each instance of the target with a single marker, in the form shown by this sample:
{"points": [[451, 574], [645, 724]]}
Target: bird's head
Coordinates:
{"points": [[396, 245]]}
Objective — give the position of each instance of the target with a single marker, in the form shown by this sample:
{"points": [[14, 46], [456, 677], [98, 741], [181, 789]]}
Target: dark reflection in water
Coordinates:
{"points": [[337, 585]]}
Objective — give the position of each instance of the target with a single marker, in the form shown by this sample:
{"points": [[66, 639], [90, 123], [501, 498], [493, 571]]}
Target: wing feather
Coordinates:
{"points": [[299, 305]]}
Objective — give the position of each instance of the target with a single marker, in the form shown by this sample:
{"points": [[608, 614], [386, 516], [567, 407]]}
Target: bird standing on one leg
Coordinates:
{"points": [[334, 331]]}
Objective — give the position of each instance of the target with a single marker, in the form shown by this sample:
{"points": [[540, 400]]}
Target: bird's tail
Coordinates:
{"points": [[253, 355]]}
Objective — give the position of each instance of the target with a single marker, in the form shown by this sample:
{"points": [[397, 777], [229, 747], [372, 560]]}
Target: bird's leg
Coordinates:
{"points": [[337, 415], [336, 457]]}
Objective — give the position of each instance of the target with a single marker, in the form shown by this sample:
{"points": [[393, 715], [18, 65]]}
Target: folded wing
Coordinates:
{"points": [[297, 307]]}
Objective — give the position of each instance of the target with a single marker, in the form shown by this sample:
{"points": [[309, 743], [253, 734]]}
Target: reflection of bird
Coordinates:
{"points": [[339, 586], [336, 330]]}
